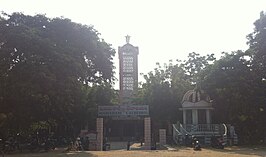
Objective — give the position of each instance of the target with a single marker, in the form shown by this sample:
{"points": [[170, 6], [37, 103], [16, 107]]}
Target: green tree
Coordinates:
{"points": [[162, 91], [195, 64], [257, 43], [44, 65], [257, 51], [231, 84], [164, 87]]}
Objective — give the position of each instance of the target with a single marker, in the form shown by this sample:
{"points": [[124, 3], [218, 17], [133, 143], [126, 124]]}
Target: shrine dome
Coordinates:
{"points": [[196, 97]]}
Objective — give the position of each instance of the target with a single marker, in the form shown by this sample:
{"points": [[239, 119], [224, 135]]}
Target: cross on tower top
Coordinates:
{"points": [[127, 39]]}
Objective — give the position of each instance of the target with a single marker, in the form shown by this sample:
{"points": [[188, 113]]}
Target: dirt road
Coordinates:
{"points": [[181, 152]]}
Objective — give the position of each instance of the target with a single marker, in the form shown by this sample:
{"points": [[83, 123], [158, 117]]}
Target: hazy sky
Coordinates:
{"points": [[162, 29]]}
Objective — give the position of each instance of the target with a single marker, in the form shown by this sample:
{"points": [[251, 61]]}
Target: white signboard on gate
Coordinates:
{"points": [[123, 110]]}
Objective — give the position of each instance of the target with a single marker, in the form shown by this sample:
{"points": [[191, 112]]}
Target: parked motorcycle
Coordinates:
{"points": [[217, 142], [36, 143], [10, 145], [196, 143]]}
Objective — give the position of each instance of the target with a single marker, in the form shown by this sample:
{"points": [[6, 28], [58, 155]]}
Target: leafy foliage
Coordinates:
{"points": [[237, 95], [162, 91], [257, 43], [46, 66]]}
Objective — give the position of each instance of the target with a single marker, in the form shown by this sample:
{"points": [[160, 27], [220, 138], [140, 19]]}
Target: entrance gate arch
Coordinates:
{"points": [[123, 123]]}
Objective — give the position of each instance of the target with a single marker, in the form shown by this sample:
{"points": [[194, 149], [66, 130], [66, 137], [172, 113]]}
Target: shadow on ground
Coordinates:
{"points": [[55, 153], [251, 150]]}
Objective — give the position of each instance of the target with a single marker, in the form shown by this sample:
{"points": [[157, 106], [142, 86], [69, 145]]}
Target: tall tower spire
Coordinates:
{"points": [[128, 71]]}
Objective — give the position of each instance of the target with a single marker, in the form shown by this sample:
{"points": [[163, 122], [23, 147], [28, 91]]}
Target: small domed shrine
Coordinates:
{"points": [[196, 107], [197, 120]]}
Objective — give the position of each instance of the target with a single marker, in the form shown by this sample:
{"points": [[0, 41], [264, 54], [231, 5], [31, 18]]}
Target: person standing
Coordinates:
{"points": [[128, 145]]}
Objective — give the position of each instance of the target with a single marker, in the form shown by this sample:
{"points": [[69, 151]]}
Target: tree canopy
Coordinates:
{"points": [[46, 68]]}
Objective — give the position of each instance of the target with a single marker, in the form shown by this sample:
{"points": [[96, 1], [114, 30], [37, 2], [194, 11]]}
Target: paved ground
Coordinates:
{"points": [[179, 152]]}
